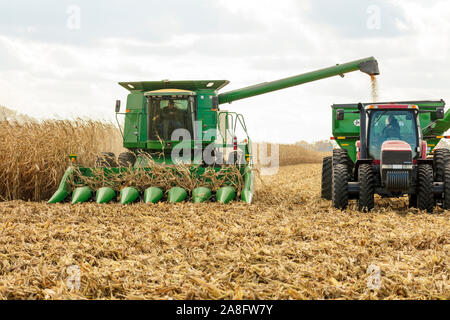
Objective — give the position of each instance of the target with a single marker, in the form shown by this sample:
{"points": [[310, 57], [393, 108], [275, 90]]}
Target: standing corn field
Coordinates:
{"points": [[34, 155]]}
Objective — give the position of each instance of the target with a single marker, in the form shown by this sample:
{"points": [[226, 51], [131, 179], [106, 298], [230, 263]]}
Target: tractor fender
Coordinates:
{"points": [[425, 161]]}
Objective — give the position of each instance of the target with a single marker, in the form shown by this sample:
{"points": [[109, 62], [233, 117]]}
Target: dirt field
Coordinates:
{"points": [[289, 244]]}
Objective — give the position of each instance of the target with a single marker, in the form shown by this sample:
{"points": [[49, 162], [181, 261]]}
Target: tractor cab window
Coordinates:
{"points": [[391, 125], [168, 114]]}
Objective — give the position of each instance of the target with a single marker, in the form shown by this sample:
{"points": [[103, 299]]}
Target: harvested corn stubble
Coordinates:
{"points": [[287, 244]]}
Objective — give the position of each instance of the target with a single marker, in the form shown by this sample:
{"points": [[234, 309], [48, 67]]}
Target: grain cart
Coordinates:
{"points": [[164, 117], [388, 148]]}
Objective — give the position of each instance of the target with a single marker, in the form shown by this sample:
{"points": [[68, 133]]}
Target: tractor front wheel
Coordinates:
{"points": [[425, 194], [340, 186], [326, 178], [366, 180]]}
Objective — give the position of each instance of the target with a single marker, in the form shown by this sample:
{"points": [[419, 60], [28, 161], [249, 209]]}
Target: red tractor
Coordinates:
{"points": [[391, 160]]}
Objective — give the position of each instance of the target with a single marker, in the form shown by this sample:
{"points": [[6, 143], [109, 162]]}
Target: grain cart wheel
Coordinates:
{"points": [[440, 159], [340, 156], [446, 202], [126, 159], [425, 194], [106, 160], [340, 186], [366, 180], [326, 178]]}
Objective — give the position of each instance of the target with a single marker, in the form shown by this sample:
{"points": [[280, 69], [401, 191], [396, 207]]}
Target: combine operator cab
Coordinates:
{"points": [[391, 158]]}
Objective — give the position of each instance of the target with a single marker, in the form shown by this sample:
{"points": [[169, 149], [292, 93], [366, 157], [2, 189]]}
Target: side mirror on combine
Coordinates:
{"points": [[339, 114], [117, 106], [439, 113]]}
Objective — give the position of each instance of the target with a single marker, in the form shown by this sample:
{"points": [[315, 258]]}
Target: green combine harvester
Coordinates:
{"points": [[180, 122]]}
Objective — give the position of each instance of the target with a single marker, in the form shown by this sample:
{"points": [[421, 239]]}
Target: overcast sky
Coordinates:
{"points": [[63, 59]]}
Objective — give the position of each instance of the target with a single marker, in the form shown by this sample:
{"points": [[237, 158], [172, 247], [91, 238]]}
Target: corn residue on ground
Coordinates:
{"points": [[288, 244]]}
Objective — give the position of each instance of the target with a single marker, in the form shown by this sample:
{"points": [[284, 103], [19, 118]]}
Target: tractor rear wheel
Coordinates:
{"points": [[340, 186], [326, 178], [440, 159], [366, 180], [446, 202], [106, 160], [126, 159], [425, 194]]}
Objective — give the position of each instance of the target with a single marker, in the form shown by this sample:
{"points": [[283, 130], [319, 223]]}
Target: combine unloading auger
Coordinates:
{"points": [[180, 144]]}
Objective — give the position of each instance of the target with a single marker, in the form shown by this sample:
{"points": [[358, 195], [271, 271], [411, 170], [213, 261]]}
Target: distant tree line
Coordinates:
{"points": [[321, 146]]}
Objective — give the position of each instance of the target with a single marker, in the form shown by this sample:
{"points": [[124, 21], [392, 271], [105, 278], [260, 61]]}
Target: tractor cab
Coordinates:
{"points": [[392, 123]]}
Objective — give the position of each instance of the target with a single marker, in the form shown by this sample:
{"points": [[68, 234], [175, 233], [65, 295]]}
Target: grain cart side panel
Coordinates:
{"points": [[346, 132]]}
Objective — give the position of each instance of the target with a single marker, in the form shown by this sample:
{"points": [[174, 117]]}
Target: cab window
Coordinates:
{"points": [[388, 125], [167, 115]]}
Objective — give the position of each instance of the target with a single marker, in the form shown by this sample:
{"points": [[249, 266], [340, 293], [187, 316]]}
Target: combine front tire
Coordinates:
{"points": [[126, 159], [446, 202], [106, 160], [366, 180], [425, 194], [326, 178], [340, 186]]}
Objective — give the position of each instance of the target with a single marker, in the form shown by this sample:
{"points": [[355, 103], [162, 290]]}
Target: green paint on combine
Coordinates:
{"points": [[105, 195], [128, 195], [154, 112], [153, 194], [201, 194]]}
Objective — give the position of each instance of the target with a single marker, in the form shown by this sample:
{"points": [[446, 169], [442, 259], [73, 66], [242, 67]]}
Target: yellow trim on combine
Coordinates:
{"points": [[170, 91]]}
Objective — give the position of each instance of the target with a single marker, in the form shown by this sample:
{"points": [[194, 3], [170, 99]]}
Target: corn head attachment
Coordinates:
{"points": [[156, 182]]}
